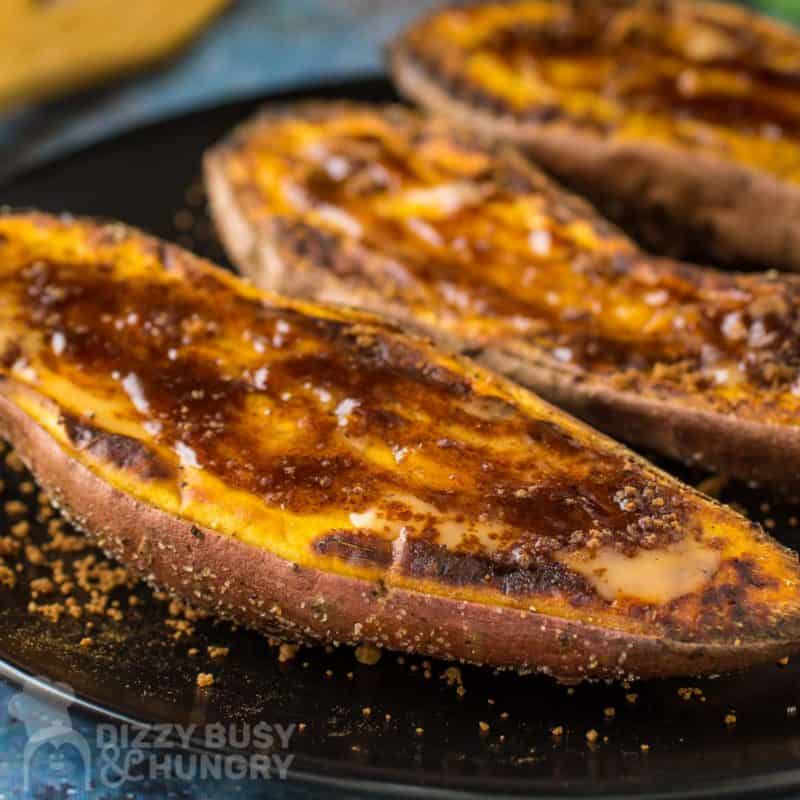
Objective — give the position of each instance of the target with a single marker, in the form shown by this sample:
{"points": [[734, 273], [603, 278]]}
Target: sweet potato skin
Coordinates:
{"points": [[689, 202], [251, 586], [755, 450]]}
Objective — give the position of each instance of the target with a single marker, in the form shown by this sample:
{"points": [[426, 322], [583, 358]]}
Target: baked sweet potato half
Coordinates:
{"points": [[387, 210], [316, 472], [678, 118]]}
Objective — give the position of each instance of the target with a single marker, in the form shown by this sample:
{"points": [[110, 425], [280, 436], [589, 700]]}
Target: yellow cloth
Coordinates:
{"points": [[51, 46]]}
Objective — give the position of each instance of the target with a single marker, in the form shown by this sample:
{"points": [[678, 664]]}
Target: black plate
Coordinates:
{"points": [[431, 739]]}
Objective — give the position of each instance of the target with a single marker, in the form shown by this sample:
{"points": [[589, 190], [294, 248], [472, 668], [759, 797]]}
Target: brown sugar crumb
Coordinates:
{"points": [[286, 652], [609, 712], [87, 641], [366, 711], [631, 697], [644, 747], [63, 543], [7, 577], [217, 652], [100, 576], [96, 604], [15, 507], [592, 736], [73, 609], [192, 651], [175, 608], [14, 462], [730, 719], [52, 612], [783, 661], [27, 487], [558, 731], [181, 628], [9, 546], [368, 654], [453, 676], [34, 554], [205, 679], [42, 586], [419, 731], [21, 529]]}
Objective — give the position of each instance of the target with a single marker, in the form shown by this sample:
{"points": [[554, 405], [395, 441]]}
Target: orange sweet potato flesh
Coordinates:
{"points": [[315, 471], [385, 209], [680, 118]]}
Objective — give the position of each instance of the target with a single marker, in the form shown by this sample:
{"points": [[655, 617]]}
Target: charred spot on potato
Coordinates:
{"points": [[120, 451], [10, 354], [426, 560], [319, 247], [750, 574], [550, 435], [357, 547]]}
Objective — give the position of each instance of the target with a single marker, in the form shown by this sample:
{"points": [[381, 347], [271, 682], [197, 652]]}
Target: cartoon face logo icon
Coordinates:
{"points": [[43, 708]]}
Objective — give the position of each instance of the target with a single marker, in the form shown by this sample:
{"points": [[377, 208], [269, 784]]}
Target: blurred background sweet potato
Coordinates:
{"points": [[73, 72]]}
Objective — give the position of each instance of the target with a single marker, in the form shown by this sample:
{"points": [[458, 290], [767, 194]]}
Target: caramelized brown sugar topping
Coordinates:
{"points": [[697, 75], [338, 443], [480, 246]]}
